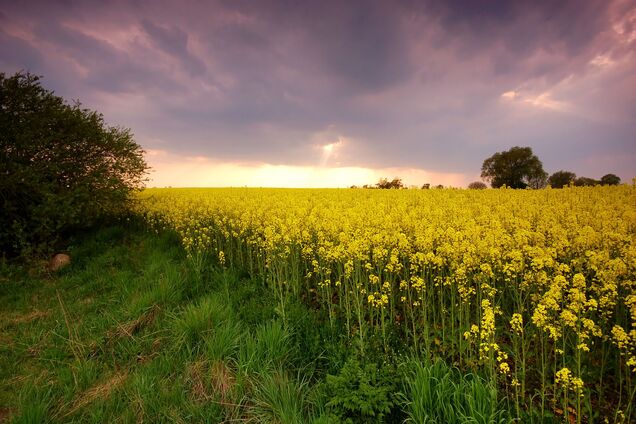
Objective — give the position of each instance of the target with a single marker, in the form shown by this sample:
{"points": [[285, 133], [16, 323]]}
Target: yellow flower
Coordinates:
{"points": [[516, 323]]}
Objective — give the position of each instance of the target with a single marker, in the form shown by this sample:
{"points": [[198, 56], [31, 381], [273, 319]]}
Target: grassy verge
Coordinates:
{"points": [[129, 332]]}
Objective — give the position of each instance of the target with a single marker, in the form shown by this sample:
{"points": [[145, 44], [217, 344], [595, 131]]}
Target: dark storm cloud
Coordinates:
{"points": [[406, 83]]}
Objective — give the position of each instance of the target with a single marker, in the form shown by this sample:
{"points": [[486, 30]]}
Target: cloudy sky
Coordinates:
{"points": [[334, 93]]}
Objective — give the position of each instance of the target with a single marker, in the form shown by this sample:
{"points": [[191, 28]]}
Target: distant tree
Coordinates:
{"points": [[425, 186], [61, 167], [585, 181], [439, 186], [610, 179], [515, 168], [477, 185], [561, 179], [386, 184]]}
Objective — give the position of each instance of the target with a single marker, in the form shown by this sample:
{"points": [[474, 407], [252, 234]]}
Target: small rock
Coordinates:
{"points": [[59, 261]]}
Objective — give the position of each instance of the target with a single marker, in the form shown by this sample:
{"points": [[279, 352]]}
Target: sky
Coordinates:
{"points": [[336, 93]]}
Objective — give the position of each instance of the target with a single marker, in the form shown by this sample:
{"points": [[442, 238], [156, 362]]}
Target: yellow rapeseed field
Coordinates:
{"points": [[534, 288]]}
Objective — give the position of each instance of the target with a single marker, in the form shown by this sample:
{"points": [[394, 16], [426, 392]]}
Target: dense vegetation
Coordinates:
{"points": [[446, 306], [533, 290], [61, 167], [131, 333]]}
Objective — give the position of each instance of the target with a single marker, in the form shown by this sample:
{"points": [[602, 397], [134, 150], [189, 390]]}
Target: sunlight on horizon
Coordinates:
{"points": [[170, 170]]}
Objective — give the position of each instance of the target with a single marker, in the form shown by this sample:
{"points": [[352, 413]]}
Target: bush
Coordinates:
{"points": [[61, 166], [477, 185], [361, 394]]}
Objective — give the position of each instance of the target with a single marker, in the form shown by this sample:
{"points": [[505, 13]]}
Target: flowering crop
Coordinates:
{"points": [[535, 288]]}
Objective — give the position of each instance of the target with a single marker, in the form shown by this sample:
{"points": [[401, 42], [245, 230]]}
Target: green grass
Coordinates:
{"points": [[132, 332], [436, 393]]}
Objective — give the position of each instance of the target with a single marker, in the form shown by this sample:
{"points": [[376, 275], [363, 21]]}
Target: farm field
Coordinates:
{"points": [[327, 306], [533, 290]]}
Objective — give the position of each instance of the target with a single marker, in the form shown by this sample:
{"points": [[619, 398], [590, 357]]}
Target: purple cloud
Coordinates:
{"points": [[437, 85]]}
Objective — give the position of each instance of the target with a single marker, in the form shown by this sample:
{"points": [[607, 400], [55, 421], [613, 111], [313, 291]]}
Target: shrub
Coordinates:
{"points": [[477, 185], [361, 394], [61, 166]]}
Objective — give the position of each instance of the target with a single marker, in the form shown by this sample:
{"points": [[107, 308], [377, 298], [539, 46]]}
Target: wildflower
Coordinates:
{"points": [[516, 323]]}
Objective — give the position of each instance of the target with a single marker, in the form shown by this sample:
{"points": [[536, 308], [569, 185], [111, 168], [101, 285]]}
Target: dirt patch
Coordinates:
{"points": [[5, 414]]}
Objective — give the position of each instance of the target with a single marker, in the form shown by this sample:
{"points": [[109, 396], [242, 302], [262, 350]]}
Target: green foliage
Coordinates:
{"points": [[61, 166], [514, 168], [610, 179], [279, 399], [561, 179], [192, 357], [266, 348], [438, 394], [224, 341], [586, 182], [477, 185], [198, 320], [361, 393]]}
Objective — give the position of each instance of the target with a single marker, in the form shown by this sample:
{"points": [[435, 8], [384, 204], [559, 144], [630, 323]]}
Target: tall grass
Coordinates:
{"points": [[435, 393]]}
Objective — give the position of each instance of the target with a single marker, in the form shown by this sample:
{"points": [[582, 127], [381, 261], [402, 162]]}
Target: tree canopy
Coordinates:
{"points": [[585, 181], [62, 167], [610, 179], [561, 179], [477, 185], [515, 168], [386, 184]]}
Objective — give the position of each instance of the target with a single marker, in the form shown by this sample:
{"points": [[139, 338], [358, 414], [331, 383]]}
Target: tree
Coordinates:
{"points": [[515, 168], [561, 179], [395, 183], [61, 166], [610, 179], [585, 181], [477, 185]]}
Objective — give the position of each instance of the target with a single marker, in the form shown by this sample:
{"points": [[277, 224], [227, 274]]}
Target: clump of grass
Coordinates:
{"points": [[267, 348], [196, 321], [436, 393], [33, 405], [223, 343], [278, 399]]}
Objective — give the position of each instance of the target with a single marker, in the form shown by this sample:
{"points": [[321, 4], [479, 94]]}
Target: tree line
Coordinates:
{"points": [[518, 167]]}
